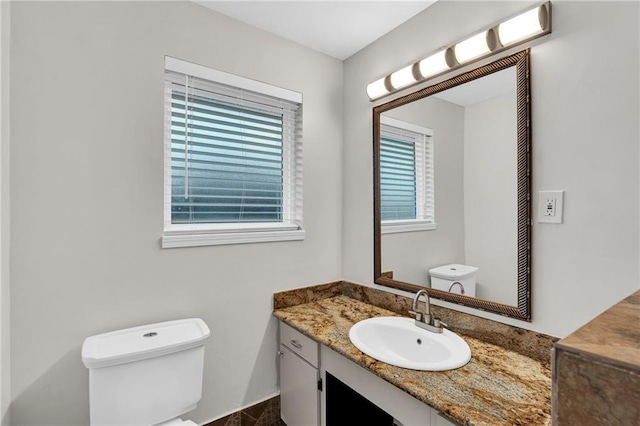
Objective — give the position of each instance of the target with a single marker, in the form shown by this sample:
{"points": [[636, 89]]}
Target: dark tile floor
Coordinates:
{"points": [[266, 413]]}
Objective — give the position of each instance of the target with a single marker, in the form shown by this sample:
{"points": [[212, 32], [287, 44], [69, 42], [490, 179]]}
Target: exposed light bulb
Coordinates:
{"points": [[522, 26], [472, 47], [377, 89], [433, 64], [403, 78]]}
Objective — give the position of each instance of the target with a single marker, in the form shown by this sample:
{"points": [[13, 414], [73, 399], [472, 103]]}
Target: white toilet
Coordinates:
{"points": [[147, 375]]}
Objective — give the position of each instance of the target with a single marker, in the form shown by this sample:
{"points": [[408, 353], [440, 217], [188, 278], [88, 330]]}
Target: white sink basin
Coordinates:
{"points": [[398, 341]]}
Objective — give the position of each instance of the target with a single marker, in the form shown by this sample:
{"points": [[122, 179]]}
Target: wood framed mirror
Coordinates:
{"points": [[467, 197]]}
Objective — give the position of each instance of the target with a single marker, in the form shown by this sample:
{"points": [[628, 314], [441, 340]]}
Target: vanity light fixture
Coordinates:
{"points": [[378, 89], [403, 78], [524, 27], [472, 48], [434, 64]]}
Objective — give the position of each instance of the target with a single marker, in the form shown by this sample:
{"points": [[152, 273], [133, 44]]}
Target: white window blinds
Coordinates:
{"points": [[233, 156], [406, 172]]}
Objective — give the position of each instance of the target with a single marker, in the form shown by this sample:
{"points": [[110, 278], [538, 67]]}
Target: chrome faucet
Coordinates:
{"points": [[458, 283], [426, 320]]}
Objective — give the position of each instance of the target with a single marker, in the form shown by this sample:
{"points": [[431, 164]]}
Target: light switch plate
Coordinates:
{"points": [[550, 206]]}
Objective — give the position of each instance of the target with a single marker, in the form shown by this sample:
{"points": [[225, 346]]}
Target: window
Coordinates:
{"points": [[233, 159], [406, 177]]}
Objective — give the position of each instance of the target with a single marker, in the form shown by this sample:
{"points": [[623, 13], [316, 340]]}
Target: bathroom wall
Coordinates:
{"points": [[5, 332], [87, 199], [585, 141], [490, 196], [445, 244]]}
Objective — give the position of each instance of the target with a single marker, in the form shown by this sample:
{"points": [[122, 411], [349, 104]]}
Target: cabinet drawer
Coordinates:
{"points": [[299, 344]]}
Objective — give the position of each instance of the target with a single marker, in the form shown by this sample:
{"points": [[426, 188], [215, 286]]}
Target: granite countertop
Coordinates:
{"points": [[613, 336], [597, 369], [497, 387]]}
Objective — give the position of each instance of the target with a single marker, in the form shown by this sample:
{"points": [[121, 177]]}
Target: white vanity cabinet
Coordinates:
{"points": [[304, 366], [299, 378]]}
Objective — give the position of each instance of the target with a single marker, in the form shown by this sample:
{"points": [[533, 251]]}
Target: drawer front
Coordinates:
{"points": [[299, 344]]}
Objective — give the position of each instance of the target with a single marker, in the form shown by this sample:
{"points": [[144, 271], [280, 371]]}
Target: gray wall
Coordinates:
{"points": [[585, 141], [87, 199], [491, 197], [5, 331]]}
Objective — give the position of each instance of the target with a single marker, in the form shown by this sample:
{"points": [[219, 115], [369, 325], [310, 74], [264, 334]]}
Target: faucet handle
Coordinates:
{"points": [[438, 323], [417, 314]]}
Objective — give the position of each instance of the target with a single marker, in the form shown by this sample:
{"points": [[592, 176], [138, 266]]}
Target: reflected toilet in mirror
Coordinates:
{"points": [[454, 278]]}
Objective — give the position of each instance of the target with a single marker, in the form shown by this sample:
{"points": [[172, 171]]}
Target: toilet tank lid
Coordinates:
{"points": [[142, 342], [454, 271]]}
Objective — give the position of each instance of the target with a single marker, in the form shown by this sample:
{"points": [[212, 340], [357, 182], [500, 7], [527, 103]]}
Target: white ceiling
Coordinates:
{"points": [[336, 28]]}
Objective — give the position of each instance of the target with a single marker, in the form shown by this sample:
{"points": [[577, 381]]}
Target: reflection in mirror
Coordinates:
{"points": [[474, 184], [452, 189]]}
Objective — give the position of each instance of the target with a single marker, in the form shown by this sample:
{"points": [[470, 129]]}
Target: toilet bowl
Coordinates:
{"points": [[148, 375]]}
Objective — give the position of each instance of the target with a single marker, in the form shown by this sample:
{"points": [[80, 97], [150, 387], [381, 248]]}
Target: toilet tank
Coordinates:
{"points": [[444, 276], [145, 375]]}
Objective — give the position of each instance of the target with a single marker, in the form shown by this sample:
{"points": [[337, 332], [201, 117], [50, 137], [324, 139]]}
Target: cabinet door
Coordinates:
{"points": [[298, 390]]}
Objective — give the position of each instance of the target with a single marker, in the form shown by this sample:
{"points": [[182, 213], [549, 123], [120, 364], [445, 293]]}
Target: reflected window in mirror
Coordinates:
{"points": [[407, 199]]}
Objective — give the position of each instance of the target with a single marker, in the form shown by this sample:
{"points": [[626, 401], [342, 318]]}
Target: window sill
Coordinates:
{"points": [[397, 226], [175, 240]]}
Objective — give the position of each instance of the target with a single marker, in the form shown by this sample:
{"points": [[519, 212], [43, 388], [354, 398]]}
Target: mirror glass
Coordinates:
{"points": [[452, 194]]}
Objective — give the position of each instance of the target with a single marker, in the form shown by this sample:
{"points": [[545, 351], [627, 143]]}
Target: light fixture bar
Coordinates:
{"points": [[472, 48], [378, 89], [524, 27], [403, 78], [434, 64]]}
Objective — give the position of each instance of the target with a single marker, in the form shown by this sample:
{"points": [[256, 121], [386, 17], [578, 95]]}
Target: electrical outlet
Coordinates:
{"points": [[550, 206]]}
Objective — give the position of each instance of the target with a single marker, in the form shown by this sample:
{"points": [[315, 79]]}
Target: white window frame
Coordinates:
{"points": [[190, 235], [425, 187]]}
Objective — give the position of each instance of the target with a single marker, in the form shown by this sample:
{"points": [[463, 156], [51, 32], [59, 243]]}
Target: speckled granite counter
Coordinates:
{"points": [[497, 387]]}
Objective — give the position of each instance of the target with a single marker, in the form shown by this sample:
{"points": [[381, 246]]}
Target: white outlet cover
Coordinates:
{"points": [[558, 196]]}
